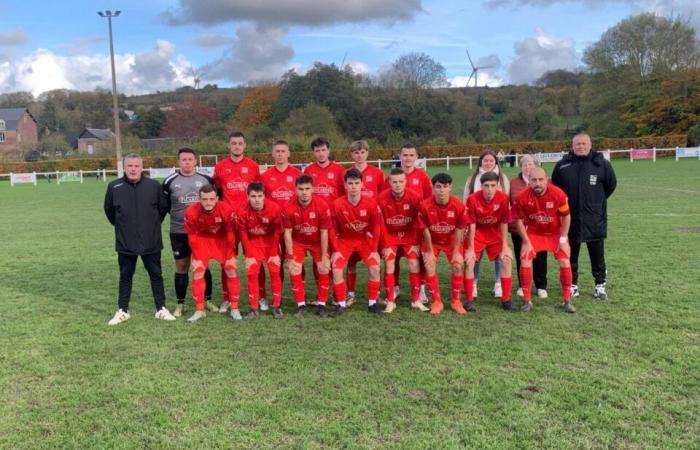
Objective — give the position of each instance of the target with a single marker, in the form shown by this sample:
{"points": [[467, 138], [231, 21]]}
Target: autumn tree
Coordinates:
{"points": [[414, 70], [187, 119], [256, 107]]}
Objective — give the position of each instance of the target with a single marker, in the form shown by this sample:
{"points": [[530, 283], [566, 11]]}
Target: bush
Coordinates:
{"points": [[694, 135]]}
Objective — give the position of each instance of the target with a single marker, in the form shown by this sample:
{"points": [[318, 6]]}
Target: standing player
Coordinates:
{"points": [[372, 185], [419, 181], [210, 226], [327, 175], [181, 189], [442, 219], [260, 227], [543, 222], [488, 215], [356, 228], [232, 176], [306, 222], [399, 207]]}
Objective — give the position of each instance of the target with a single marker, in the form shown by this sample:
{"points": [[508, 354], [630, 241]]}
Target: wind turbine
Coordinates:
{"points": [[475, 70], [195, 74]]}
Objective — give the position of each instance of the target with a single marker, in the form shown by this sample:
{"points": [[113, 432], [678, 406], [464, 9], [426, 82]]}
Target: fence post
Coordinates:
{"points": [[448, 162], [654, 149], [104, 175], [34, 178], [81, 176], [379, 164], [631, 160], [11, 180], [470, 161], [58, 177], [676, 154]]}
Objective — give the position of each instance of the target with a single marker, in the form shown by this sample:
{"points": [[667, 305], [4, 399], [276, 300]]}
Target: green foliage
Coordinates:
{"points": [[694, 135], [149, 122], [310, 119], [414, 71]]}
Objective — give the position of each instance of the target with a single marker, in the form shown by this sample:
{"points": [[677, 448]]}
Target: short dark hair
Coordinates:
{"points": [[489, 176], [206, 189], [236, 134], [352, 174], [408, 145], [442, 178], [256, 186], [320, 142], [397, 171], [304, 179], [281, 142], [186, 150]]}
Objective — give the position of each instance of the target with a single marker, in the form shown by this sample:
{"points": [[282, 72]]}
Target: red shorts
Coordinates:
{"points": [[262, 253], [493, 248], [351, 248], [205, 248], [541, 243], [406, 250], [300, 251], [447, 250]]}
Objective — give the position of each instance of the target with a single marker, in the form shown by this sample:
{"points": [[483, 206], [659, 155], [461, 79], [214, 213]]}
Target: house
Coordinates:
{"points": [[94, 140], [18, 132]]}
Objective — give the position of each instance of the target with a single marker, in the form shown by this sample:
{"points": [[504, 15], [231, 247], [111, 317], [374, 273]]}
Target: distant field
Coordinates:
{"points": [[619, 374]]}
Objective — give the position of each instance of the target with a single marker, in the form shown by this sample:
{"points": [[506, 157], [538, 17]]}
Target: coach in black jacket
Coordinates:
{"points": [[136, 206], [588, 180]]}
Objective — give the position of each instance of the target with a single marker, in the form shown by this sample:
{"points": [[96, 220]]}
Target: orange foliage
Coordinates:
{"points": [[256, 107]]}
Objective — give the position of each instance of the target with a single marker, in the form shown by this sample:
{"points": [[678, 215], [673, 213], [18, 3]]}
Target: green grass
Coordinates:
{"points": [[620, 374]]}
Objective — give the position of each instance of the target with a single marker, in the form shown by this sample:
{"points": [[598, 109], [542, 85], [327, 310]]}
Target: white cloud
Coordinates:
{"points": [[43, 70], [536, 55], [359, 68]]}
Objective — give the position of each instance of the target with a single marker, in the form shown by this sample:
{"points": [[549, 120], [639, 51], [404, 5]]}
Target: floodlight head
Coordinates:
{"points": [[101, 14], [116, 13]]}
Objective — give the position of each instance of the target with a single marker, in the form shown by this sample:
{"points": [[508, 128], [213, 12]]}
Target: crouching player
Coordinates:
{"points": [[488, 215], [260, 229], [210, 227], [543, 222], [399, 207], [356, 228], [306, 221], [443, 220]]}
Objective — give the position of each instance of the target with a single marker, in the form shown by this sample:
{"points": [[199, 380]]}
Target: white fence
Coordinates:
{"points": [[102, 174]]}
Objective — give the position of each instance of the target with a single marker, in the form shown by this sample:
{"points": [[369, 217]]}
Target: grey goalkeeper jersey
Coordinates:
{"points": [[181, 192]]}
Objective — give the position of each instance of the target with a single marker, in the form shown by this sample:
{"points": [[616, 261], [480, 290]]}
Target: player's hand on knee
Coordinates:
{"points": [[324, 265], [250, 262], [457, 259], [469, 256], [387, 253], [335, 257], [231, 264], [526, 250], [375, 257], [564, 248], [506, 255], [274, 260]]}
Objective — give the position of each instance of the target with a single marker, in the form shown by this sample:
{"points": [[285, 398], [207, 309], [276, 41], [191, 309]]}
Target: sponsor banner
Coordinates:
{"points": [[66, 177], [161, 172], [22, 178], [421, 163], [641, 153], [687, 152], [549, 157], [206, 170]]}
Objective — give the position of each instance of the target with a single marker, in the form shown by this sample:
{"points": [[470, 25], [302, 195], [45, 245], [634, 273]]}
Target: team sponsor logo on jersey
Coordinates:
{"points": [[257, 231], [488, 220], [188, 199], [593, 180], [406, 207], [312, 215], [442, 228], [323, 189], [450, 214], [237, 185], [541, 218], [399, 220], [363, 212], [356, 226], [282, 194], [306, 228]]}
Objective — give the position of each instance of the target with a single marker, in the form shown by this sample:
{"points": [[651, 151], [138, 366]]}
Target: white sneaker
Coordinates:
{"points": [[236, 314], [390, 307], [520, 292], [419, 306], [350, 299], [164, 314], [397, 292], [600, 293], [421, 296], [574, 290], [119, 317], [264, 306], [497, 290], [542, 293], [196, 316], [224, 307]]}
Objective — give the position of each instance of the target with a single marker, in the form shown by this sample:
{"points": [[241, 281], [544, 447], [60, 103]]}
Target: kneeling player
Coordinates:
{"points": [[260, 227], [488, 214], [211, 234], [443, 220], [543, 222], [306, 221], [356, 227], [399, 207]]}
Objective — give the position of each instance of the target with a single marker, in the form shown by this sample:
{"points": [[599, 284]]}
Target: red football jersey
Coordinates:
{"points": [[215, 223], [307, 222], [417, 181], [542, 214], [399, 218], [233, 179], [372, 181], [488, 216], [356, 222], [280, 185], [328, 180], [442, 221], [260, 228]]}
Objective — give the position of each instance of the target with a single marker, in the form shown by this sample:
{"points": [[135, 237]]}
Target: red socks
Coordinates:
{"points": [[432, 282], [389, 287], [469, 288], [526, 282], [324, 283], [275, 285], [339, 290], [351, 278], [253, 293], [506, 286], [298, 288], [456, 282], [233, 286], [414, 282], [198, 285], [372, 290], [565, 278]]}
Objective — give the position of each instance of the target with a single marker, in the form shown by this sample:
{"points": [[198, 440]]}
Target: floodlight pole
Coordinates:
{"points": [[115, 106]]}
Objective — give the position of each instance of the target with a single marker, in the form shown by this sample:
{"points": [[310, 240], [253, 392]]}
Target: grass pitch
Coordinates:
{"points": [[619, 374]]}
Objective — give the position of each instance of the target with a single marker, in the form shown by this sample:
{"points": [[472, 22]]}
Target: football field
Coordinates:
{"points": [[618, 374]]}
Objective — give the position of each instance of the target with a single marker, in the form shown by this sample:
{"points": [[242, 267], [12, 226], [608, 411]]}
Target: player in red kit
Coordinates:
{"points": [[260, 227], [327, 175], [543, 221], [210, 227], [232, 176], [488, 215], [443, 220], [399, 207], [372, 185], [306, 222], [356, 228]]}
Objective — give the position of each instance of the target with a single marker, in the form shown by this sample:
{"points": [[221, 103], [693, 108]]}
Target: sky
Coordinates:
{"points": [[162, 45]]}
